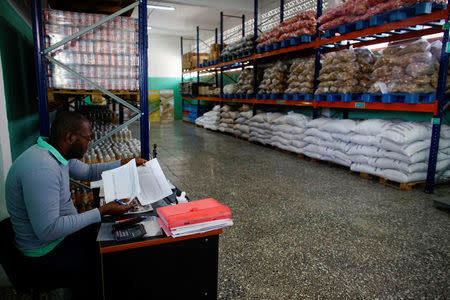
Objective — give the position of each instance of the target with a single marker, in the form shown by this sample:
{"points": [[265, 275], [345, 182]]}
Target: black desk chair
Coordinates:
{"points": [[13, 263]]}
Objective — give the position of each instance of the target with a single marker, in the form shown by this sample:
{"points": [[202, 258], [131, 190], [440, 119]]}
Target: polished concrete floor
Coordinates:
{"points": [[308, 230]]}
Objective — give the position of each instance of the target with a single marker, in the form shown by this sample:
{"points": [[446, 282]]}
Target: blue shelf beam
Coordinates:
{"points": [[143, 79]]}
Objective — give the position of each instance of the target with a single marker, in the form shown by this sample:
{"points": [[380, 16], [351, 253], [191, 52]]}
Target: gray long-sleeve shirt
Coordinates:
{"points": [[38, 197]]}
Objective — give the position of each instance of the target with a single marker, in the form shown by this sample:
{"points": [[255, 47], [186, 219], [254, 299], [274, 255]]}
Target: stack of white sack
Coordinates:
{"points": [[405, 152], [328, 139], [241, 127], [261, 127], [227, 117], [288, 132], [210, 119]]}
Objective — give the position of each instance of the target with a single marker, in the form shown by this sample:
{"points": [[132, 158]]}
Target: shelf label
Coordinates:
{"points": [[360, 105], [447, 48], [435, 121], [234, 100], [446, 25], [280, 101]]}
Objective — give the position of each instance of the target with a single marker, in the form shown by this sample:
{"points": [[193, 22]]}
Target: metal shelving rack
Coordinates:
{"points": [[379, 34], [41, 54]]}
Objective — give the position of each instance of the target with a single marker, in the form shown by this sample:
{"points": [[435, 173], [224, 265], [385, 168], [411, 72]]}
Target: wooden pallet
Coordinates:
{"points": [[402, 186], [63, 95]]}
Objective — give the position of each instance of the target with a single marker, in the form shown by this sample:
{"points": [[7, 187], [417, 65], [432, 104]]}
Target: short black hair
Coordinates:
{"points": [[67, 121]]}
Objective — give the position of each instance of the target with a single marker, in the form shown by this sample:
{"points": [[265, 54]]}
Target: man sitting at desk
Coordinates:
{"points": [[57, 242]]}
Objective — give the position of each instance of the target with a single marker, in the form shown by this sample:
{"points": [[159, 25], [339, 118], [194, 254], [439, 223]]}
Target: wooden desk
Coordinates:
{"points": [[161, 267]]}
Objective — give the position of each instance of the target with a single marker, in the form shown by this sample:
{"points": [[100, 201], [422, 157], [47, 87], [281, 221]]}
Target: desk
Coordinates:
{"points": [[161, 267]]}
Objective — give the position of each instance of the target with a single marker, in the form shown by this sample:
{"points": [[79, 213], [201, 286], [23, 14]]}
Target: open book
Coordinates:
{"points": [[146, 183]]}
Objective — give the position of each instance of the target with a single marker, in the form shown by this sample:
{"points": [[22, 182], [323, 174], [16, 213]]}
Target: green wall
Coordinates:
{"points": [[16, 50], [160, 83]]}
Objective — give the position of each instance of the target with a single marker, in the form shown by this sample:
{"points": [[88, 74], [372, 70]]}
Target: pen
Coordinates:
{"points": [[123, 220], [120, 202]]}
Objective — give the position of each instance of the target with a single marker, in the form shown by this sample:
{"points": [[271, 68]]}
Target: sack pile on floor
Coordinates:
{"points": [[227, 117], [241, 127], [288, 132], [210, 119], [261, 127]]}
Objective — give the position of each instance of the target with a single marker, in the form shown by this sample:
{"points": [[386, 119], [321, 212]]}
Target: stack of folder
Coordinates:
{"points": [[193, 217]]}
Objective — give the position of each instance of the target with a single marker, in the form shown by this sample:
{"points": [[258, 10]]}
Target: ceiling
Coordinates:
{"points": [[188, 14]]}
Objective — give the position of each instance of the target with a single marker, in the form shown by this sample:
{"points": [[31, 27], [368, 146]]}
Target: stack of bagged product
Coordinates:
{"points": [[210, 119], [302, 24], [245, 82], [230, 88], [261, 127], [301, 77], [243, 46], [328, 140], [346, 72], [405, 149], [274, 79], [410, 69], [357, 10], [241, 127], [288, 132], [227, 117]]}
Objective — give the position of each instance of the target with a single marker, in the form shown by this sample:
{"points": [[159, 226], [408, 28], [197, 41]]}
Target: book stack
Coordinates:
{"points": [[193, 217]]}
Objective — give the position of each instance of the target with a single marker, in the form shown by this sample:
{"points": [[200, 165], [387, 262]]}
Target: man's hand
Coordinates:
{"points": [[114, 208], [139, 161]]}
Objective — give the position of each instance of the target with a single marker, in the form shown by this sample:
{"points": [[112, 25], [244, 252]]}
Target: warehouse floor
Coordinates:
{"points": [[306, 229]]}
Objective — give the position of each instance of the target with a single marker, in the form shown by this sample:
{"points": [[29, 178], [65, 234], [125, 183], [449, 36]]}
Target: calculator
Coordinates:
{"points": [[130, 233]]}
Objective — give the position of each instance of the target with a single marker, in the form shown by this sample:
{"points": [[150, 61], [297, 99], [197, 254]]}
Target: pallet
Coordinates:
{"points": [[402, 186], [339, 97], [384, 18], [399, 98], [298, 97]]}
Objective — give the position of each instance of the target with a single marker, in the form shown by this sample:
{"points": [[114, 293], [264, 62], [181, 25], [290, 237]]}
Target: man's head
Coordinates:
{"points": [[71, 132]]}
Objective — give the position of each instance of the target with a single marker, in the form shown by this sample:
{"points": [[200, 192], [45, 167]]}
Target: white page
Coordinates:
{"points": [[153, 183], [122, 182]]}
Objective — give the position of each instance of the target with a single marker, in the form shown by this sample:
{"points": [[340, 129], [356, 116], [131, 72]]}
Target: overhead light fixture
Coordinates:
{"points": [[163, 7], [149, 27]]}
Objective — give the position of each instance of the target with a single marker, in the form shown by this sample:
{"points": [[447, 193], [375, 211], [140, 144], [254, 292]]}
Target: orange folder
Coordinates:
{"points": [[193, 212]]}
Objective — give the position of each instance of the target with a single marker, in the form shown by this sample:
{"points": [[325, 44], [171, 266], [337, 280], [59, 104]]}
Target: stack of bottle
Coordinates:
{"points": [[82, 199], [120, 145], [106, 55]]}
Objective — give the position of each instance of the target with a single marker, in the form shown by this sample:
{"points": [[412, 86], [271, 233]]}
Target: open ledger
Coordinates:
{"points": [[146, 183]]}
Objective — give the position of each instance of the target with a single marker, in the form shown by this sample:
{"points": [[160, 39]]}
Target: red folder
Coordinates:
{"points": [[193, 212]]}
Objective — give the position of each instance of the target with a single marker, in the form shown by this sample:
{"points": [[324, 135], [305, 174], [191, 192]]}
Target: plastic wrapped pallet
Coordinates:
{"points": [[274, 79], [410, 69], [239, 48], [301, 77], [346, 72]]}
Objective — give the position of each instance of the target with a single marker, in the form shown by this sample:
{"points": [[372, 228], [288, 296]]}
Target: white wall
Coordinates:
{"points": [[164, 56]]}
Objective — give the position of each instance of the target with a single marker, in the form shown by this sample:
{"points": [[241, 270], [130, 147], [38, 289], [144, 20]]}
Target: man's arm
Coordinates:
{"points": [[81, 171], [41, 191]]}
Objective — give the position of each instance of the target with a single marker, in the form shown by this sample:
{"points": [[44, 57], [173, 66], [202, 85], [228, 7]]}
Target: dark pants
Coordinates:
{"points": [[74, 264]]}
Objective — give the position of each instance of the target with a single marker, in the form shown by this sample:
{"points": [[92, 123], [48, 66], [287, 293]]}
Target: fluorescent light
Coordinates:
{"points": [[149, 27], [164, 7]]}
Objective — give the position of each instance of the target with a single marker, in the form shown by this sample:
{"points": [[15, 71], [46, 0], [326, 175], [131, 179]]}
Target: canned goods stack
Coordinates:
{"points": [[106, 55]]}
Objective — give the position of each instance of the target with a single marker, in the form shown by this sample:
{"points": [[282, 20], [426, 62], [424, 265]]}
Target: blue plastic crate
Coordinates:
{"points": [[285, 43], [222, 95], [275, 46], [267, 48], [330, 32], [362, 24], [287, 96], [260, 50], [259, 96], [304, 38], [321, 97], [344, 97], [248, 96], [303, 97], [274, 96], [372, 98]]}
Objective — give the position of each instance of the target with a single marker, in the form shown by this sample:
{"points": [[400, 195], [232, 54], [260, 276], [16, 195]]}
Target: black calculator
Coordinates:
{"points": [[129, 233]]}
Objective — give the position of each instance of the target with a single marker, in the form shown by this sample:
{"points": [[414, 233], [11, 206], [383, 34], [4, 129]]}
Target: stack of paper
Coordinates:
{"points": [[193, 217], [147, 183]]}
